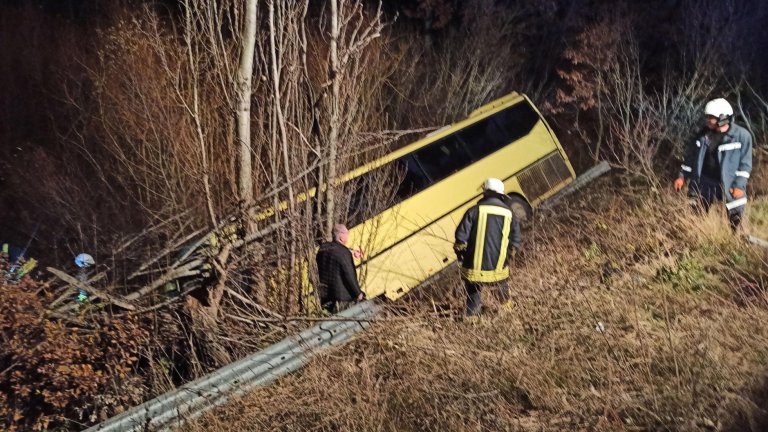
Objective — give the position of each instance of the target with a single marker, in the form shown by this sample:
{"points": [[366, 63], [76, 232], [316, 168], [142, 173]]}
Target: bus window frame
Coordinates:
{"points": [[466, 148], [509, 137]]}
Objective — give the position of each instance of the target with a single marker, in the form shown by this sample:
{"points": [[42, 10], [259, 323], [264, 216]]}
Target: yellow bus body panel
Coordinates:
{"points": [[405, 245]]}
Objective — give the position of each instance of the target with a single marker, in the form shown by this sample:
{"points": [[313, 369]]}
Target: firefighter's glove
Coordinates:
{"points": [[737, 193], [679, 183]]}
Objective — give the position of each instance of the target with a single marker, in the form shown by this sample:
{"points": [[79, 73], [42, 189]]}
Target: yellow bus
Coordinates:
{"points": [[404, 207], [400, 241]]}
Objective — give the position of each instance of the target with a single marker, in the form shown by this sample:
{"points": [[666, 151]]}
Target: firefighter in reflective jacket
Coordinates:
{"points": [[487, 235], [718, 162]]}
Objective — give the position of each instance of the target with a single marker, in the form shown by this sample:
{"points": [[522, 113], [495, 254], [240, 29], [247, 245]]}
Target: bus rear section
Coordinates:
{"points": [[400, 247]]}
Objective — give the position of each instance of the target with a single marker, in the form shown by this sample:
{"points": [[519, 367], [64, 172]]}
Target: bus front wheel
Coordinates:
{"points": [[520, 207]]}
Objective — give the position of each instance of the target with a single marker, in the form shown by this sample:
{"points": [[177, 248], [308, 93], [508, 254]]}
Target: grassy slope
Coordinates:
{"points": [[685, 345]]}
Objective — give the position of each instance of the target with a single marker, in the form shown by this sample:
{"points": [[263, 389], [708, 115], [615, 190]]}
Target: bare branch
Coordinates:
{"points": [[123, 303]]}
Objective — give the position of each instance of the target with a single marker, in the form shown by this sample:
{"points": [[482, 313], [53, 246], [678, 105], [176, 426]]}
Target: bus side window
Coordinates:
{"points": [[359, 200], [414, 180], [443, 158], [483, 138], [516, 121]]}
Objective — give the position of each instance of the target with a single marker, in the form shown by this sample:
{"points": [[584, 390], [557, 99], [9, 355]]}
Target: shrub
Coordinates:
{"points": [[51, 371]]}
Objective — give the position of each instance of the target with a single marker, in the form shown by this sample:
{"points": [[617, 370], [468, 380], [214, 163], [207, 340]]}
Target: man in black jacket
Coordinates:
{"points": [[486, 236], [338, 280]]}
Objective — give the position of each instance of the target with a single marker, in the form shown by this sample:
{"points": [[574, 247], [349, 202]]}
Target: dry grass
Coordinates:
{"points": [[681, 300]]}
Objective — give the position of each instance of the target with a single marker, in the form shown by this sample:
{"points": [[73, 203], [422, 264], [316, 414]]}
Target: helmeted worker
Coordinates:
{"points": [[84, 262], [336, 271], [486, 237], [718, 162]]}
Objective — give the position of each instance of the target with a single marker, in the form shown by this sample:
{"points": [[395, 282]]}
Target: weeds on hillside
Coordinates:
{"points": [[658, 331]]}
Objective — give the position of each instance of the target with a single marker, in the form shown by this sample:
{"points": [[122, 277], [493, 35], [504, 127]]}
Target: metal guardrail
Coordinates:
{"points": [[580, 181], [191, 400]]}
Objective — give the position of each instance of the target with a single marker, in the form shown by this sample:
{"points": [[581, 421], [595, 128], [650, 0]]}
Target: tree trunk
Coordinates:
{"points": [[243, 91], [334, 126], [275, 60], [195, 112]]}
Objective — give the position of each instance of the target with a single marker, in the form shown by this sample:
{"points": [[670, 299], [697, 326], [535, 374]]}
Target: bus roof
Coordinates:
{"points": [[482, 112]]}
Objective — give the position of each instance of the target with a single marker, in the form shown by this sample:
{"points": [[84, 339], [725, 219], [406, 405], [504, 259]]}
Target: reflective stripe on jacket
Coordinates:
{"points": [[484, 237], [735, 156]]}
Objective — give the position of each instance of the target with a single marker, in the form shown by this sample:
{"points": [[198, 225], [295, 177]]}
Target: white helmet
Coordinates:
{"points": [[719, 108], [84, 260], [493, 184]]}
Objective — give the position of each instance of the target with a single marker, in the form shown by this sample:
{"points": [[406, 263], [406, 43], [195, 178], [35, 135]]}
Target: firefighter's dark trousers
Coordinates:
{"points": [[474, 302], [709, 191]]}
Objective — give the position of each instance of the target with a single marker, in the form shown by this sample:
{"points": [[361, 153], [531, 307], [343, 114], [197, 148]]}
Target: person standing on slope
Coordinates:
{"points": [[718, 162], [336, 271], [486, 236]]}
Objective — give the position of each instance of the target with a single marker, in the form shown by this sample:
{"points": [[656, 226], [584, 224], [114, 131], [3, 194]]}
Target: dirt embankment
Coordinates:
{"points": [[631, 314]]}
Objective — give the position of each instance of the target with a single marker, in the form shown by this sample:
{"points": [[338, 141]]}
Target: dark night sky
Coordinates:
{"points": [[40, 122]]}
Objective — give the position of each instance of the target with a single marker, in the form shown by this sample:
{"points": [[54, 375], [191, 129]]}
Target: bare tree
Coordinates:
{"points": [[194, 108], [166, 132], [334, 74], [243, 91], [350, 33]]}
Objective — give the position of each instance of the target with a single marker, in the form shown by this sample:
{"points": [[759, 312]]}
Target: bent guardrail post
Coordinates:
{"points": [[579, 182], [192, 399]]}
